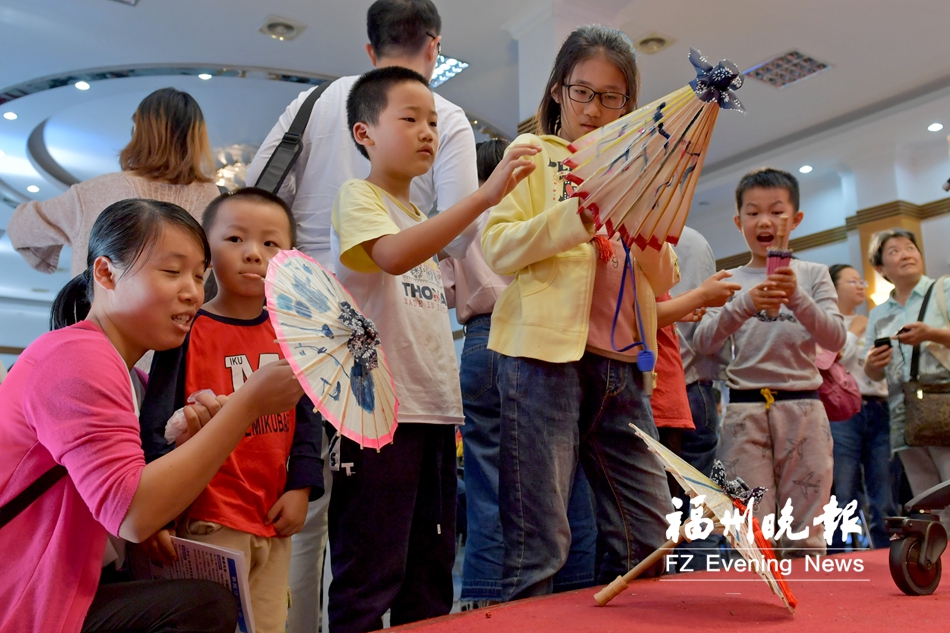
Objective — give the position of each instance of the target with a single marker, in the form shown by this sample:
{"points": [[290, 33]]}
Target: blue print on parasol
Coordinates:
{"points": [[302, 309], [317, 300], [363, 387], [285, 302]]}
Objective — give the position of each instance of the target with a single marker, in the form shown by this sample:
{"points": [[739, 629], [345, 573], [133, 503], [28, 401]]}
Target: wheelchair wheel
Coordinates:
{"points": [[910, 577]]}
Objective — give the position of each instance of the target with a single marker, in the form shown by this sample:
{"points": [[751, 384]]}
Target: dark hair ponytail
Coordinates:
{"points": [[72, 303], [122, 233]]}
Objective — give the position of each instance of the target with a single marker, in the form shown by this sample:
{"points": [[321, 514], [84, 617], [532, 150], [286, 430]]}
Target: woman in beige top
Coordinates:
{"points": [[168, 159]]}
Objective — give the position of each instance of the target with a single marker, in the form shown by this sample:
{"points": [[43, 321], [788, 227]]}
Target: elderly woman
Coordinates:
{"points": [[168, 159], [894, 253]]}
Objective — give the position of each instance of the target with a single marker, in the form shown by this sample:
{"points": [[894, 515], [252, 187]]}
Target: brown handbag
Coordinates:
{"points": [[926, 405]]}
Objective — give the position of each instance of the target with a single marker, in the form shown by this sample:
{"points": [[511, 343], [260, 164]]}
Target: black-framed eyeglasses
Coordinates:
{"points": [[438, 45], [583, 94]]}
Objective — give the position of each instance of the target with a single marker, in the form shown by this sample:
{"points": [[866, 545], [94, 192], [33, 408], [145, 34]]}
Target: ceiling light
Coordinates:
{"points": [[33, 189], [282, 29], [204, 76], [805, 169], [9, 116], [787, 69], [653, 42], [81, 85], [935, 127], [447, 68]]}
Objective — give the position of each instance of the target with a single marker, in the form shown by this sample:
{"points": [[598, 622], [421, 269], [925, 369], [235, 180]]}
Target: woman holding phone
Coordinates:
{"points": [[894, 253]]}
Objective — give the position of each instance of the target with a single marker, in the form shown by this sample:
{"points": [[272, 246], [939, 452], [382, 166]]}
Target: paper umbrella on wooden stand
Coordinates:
{"points": [[334, 350], [637, 174], [721, 496]]}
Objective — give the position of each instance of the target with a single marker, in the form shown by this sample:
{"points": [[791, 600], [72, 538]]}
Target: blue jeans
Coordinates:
{"points": [[862, 446], [484, 547], [699, 446], [698, 449], [554, 415]]}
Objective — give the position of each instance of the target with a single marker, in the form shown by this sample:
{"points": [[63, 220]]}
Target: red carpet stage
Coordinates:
{"points": [[842, 601]]}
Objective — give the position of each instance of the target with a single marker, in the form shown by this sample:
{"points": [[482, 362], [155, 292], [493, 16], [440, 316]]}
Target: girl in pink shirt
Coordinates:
{"points": [[70, 400]]}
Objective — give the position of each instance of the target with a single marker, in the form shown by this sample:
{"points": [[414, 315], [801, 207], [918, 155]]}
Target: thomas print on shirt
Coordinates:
{"points": [[241, 370], [423, 287]]}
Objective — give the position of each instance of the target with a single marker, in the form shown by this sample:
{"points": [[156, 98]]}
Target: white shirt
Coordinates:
{"points": [[409, 310], [329, 158]]}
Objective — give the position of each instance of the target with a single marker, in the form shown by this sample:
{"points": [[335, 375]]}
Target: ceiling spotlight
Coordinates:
{"points": [[204, 76], [805, 169], [282, 29], [9, 116], [81, 85], [653, 42], [935, 127], [33, 189]]}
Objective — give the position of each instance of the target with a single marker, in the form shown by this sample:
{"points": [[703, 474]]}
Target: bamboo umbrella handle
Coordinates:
{"points": [[615, 588]]}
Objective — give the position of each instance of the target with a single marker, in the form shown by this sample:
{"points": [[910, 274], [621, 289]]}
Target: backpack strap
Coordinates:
{"points": [[285, 154], [915, 357], [31, 493]]}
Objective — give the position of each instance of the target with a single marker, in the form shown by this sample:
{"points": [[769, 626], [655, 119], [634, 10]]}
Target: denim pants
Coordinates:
{"points": [[862, 458], [699, 446], [484, 547], [554, 415], [698, 449]]}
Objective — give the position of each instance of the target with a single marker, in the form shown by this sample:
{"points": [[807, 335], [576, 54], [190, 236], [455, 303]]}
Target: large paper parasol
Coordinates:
{"points": [[720, 497], [637, 175], [334, 350]]}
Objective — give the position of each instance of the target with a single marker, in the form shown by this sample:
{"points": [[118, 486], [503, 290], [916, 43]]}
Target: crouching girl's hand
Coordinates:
{"points": [[271, 389], [158, 547]]}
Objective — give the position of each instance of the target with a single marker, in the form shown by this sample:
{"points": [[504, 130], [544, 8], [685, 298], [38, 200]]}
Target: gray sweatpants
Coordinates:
{"points": [[787, 449]]}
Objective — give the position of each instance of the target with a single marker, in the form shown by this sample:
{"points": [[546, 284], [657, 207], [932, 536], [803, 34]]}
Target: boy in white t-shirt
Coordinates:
{"points": [[392, 513]]}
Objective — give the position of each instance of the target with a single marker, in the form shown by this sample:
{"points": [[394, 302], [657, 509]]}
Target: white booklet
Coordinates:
{"points": [[200, 561]]}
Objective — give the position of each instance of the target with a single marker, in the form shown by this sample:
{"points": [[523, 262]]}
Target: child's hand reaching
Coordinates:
{"points": [[158, 547], [512, 169], [290, 512], [693, 317], [716, 292]]}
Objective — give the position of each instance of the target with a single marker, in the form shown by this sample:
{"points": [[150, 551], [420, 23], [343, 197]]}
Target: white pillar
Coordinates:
{"points": [[540, 29]]}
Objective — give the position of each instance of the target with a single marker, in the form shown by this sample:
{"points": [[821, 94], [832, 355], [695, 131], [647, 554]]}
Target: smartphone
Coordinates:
{"points": [[882, 342]]}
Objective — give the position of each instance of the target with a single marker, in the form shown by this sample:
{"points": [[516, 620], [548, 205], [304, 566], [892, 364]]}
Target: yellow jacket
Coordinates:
{"points": [[536, 234]]}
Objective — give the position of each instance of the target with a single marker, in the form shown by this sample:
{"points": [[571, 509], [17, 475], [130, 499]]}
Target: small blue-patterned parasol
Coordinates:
{"points": [[334, 350]]}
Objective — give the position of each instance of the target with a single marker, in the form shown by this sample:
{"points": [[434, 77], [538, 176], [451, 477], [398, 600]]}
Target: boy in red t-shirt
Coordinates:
{"points": [[259, 497]]}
